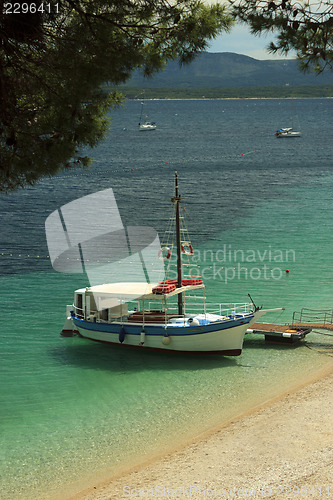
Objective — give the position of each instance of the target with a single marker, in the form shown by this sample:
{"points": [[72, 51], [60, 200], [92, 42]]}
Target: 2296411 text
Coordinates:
{"points": [[30, 8]]}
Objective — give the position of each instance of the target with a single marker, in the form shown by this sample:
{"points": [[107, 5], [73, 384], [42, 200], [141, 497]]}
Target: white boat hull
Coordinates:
{"points": [[147, 127], [221, 339], [288, 134], [218, 337]]}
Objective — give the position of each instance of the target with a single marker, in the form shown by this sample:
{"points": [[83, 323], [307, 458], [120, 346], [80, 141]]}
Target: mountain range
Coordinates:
{"points": [[227, 69]]}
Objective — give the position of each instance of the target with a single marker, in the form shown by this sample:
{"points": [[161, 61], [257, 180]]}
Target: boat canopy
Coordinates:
{"points": [[134, 290]]}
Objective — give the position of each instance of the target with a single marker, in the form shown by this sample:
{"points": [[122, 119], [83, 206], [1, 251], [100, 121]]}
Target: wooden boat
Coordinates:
{"points": [[170, 315]]}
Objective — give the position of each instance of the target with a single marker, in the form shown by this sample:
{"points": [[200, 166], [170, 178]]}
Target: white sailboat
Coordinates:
{"points": [[144, 123], [288, 132], [169, 315]]}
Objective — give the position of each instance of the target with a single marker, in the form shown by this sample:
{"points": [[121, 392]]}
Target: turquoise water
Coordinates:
{"points": [[72, 411]]}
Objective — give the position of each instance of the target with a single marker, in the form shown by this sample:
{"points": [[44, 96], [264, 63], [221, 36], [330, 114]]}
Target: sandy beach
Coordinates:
{"points": [[282, 449]]}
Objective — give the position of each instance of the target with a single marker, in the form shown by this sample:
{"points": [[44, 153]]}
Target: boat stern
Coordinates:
{"points": [[67, 330]]}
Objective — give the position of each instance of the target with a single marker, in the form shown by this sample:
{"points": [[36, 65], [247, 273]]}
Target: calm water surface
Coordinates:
{"points": [[255, 206]]}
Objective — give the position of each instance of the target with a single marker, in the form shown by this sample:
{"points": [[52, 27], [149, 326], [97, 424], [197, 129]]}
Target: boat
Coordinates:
{"points": [[167, 315], [287, 132], [147, 126], [144, 123]]}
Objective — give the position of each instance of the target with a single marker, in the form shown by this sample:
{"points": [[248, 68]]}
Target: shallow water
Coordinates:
{"points": [[71, 409]]}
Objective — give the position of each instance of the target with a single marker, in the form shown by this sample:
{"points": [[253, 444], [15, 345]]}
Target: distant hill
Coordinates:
{"points": [[227, 69]]}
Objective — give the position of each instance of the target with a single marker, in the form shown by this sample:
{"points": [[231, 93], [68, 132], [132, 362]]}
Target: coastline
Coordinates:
{"points": [[280, 448], [224, 98]]}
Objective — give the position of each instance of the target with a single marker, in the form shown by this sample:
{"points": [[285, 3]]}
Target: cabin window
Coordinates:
{"points": [[79, 305], [104, 314]]}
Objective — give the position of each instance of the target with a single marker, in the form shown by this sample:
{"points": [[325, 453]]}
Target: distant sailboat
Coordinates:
{"points": [[144, 123], [288, 132]]}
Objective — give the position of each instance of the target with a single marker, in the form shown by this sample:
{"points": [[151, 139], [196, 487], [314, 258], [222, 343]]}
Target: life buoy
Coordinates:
{"points": [[187, 249], [164, 253]]}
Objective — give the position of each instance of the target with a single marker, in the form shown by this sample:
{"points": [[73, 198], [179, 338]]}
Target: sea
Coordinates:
{"points": [[259, 213]]}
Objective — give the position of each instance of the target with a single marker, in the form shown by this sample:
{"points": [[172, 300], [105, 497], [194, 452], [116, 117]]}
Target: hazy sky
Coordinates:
{"points": [[241, 41]]}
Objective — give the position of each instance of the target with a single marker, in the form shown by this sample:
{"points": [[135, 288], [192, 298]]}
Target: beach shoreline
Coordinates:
{"points": [[281, 448]]}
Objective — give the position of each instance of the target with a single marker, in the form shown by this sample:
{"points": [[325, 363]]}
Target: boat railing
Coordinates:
{"points": [[221, 309], [227, 309], [78, 311]]}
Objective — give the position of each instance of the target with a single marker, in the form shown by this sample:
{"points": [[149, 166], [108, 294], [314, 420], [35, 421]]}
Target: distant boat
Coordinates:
{"points": [[144, 123], [287, 132]]}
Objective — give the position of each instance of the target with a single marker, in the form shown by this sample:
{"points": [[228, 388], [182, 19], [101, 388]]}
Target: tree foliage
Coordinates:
{"points": [[54, 60], [302, 26]]}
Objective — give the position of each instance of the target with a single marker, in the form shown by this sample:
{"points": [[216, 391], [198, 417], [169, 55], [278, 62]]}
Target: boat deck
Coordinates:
{"points": [[151, 317]]}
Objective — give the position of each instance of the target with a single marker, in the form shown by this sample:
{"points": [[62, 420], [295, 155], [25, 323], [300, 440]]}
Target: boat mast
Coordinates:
{"points": [[141, 113], [176, 200]]}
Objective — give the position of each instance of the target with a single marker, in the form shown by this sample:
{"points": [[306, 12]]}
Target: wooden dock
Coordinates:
{"points": [[302, 323], [326, 326], [280, 334]]}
